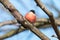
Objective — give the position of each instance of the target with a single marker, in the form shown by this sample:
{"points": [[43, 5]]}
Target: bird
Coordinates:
{"points": [[30, 16]]}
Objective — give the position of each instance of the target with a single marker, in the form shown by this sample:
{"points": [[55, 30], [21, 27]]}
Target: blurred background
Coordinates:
{"points": [[24, 6]]}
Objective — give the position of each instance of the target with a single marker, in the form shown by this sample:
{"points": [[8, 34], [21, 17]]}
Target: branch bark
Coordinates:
{"points": [[12, 33], [22, 20], [8, 22], [52, 20], [39, 24]]}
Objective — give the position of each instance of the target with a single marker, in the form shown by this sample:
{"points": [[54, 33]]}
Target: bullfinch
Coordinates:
{"points": [[30, 16]]}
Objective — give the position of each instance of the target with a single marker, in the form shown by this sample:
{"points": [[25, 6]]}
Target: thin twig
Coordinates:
{"points": [[8, 22], [42, 6], [40, 22], [14, 32]]}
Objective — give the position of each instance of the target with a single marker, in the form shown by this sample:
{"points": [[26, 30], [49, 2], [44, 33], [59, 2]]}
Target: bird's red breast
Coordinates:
{"points": [[31, 17]]}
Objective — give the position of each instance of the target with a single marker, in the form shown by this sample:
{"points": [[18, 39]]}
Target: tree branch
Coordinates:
{"points": [[22, 20], [12, 33], [8, 22], [42, 6], [39, 23]]}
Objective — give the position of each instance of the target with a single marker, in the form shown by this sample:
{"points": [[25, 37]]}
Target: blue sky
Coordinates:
{"points": [[23, 6]]}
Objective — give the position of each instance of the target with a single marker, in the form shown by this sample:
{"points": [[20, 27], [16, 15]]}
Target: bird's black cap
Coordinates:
{"points": [[32, 11]]}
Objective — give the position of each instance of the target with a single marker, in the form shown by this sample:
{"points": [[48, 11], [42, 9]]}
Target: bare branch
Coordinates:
{"points": [[22, 20], [42, 6], [12, 33], [8, 22], [39, 23]]}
